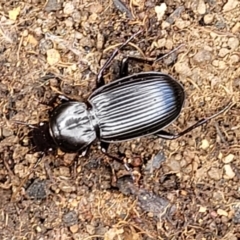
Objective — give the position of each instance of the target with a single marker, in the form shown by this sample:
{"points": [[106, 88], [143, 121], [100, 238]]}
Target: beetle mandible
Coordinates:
{"points": [[132, 106]]}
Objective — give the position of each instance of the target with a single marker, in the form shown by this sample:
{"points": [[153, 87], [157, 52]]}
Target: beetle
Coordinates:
{"points": [[129, 107]]}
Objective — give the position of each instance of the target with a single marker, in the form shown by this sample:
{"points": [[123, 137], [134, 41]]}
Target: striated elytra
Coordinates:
{"points": [[134, 106]]}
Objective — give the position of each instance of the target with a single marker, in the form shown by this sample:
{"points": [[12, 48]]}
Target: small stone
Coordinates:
{"points": [[223, 52], [201, 8], [183, 69], [202, 209], [64, 171], [230, 5], [233, 43], [221, 64], [69, 158], [37, 190], [96, 7], [203, 56], [205, 144], [174, 165], [165, 25], [69, 22], [52, 5], [234, 59], [181, 24], [67, 187], [236, 28], [225, 219], [220, 156], [215, 63], [68, 8], [38, 229], [53, 56], [160, 11], [215, 173], [90, 229], [229, 158], [169, 44], [70, 218], [100, 41], [230, 174], [175, 15], [222, 212], [208, 18], [161, 43], [218, 196], [74, 228], [7, 132], [13, 14]]}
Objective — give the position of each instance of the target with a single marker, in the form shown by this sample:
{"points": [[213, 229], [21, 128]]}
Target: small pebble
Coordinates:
{"points": [[181, 24], [230, 5], [161, 43], [208, 18], [234, 59], [233, 43], [96, 8], [236, 27], [229, 158], [160, 11], [174, 165], [53, 56], [201, 8], [67, 187], [230, 174], [221, 64], [215, 173], [169, 44], [222, 212], [68, 8], [6, 132], [215, 63], [203, 56], [165, 25], [202, 209], [52, 5], [223, 52], [100, 41], [74, 228], [64, 171], [70, 218], [90, 229], [205, 144], [183, 68]]}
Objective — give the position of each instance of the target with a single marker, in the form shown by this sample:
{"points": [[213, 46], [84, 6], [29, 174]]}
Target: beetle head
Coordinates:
{"points": [[41, 138]]}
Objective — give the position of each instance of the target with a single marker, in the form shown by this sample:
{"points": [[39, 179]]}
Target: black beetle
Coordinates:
{"points": [[129, 107]]}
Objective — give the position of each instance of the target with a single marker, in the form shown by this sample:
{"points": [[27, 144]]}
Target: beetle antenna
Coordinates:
{"points": [[23, 123]]}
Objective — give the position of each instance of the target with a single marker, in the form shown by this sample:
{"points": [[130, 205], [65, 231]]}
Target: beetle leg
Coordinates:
{"points": [[62, 98], [104, 146], [85, 151], [100, 80], [125, 62], [123, 67], [169, 136], [150, 61]]}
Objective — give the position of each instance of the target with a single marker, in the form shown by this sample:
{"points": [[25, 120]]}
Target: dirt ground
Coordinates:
{"points": [[188, 188]]}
